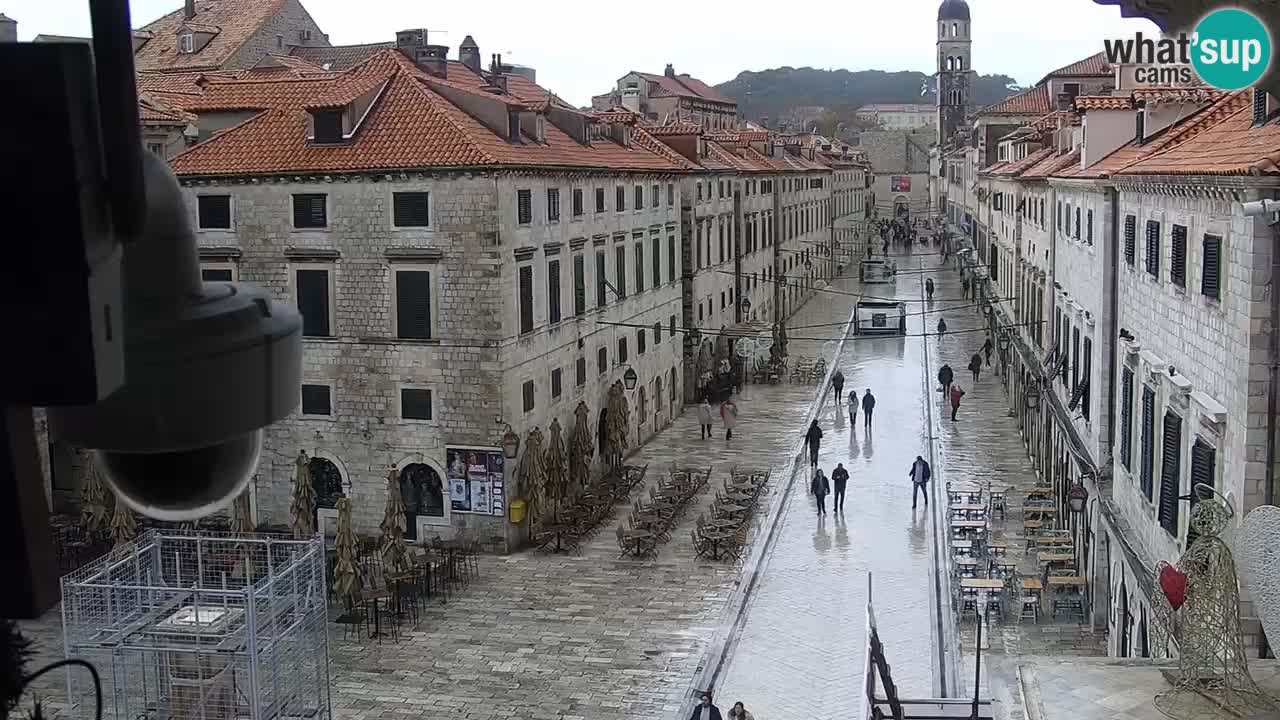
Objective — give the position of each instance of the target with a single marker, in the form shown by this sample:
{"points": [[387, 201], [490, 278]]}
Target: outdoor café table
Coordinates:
{"points": [[1032, 585], [722, 524], [739, 497], [969, 524], [1043, 512], [731, 509], [966, 508], [556, 531], [715, 538], [1055, 540], [966, 565], [639, 536], [1006, 566], [982, 584], [998, 547], [1031, 524], [1071, 581], [1039, 493], [1056, 557], [966, 545]]}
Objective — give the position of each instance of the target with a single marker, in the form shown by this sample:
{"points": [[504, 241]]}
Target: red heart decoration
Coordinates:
{"points": [[1174, 584]]}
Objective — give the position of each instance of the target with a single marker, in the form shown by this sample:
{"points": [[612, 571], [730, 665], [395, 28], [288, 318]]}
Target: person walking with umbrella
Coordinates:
{"points": [[956, 393], [975, 366], [920, 473], [868, 406], [840, 477], [813, 441]]}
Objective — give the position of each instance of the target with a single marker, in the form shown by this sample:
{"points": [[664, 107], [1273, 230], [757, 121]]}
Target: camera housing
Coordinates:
{"points": [[207, 366]]}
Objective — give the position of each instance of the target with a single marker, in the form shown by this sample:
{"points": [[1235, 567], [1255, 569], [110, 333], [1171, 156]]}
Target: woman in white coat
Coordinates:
{"points": [[704, 418], [729, 415]]}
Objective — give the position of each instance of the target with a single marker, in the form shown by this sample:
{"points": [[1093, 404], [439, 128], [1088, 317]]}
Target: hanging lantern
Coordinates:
{"points": [[629, 378], [695, 336], [1032, 397], [1078, 496], [746, 305], [1003, 342], [510, 444]]}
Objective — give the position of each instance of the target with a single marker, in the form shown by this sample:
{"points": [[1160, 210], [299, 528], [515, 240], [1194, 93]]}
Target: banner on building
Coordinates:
{"points": [[476, 480], [900, 183]]}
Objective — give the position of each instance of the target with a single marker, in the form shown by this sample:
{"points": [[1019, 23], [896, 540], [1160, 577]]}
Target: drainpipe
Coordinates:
{"points": [[1113, 275], [1274, 373]]}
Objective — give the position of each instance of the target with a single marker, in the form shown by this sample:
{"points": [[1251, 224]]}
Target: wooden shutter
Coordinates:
{"points": [[639, 205], [214, 212], [1153, 248], [553, 204], [1148, 447], [1178, 256], [639, 267], [410, 209], [640, 341], [1130, 239], [313, 302], [620, 270], [526, 392], [1088, 228], [579, 285], [1076, 234], [601, 298], [599, 200], [657, 332], [413, 304], [1170, 472], [1211, 268], [656, 242], [620, 194], [524, 206], [553, 291], [309, 211], [1075, 359], [1204, 462], [671, 258], [327, 127], [557, 378], [1126, 418], [602, 360], [526, 299]]}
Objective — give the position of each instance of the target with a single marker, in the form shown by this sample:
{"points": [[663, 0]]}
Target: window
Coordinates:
{"points": [[310, 210], [1077, 232], [639, 268], [640, 341], [620, 271], [1178, 255], [1170, 472], [698, 247], [1130, 240], [1057, 221], [721, 256], [313, 288], [1088, 228], [577, 203], [415, 403], [671, 327], [553, 204], [218, 272], [526, 393], [622, 350], [553, 291], [1204, 469], [699, 192], [655, 196], [1148, 447], [1075, 358], [639, 203], [656, 242], [580, 368], [620, 194], [317, 400], [186, 43], [524, 206], [214, 212], [526, 299], [657, 333], [599, 200], [413, 304], [579, 286], [156, 149], [1153, 248], [1126, 418], [602, 360], [671, 259], [671, 194], [601, 281], [556, 379], [1086, 377], [1211, 267]]}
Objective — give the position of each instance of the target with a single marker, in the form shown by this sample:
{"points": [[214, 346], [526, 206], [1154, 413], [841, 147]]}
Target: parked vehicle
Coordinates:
{"points": [[880, 318], [878, 270]]}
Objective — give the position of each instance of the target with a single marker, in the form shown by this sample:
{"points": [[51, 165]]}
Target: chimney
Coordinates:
{"points": [[631, 99], [497, 81], [469, 54], [8, 29], [189, 10], [408, 42], [670, 71], [432, 60]]}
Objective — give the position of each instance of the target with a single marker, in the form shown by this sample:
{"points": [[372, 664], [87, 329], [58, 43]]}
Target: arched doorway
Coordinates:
{"points": [[901, 207], [657, 399], [423, 493], [326, 481]]}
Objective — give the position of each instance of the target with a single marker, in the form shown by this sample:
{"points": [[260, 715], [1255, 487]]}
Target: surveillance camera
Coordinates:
{"points": [[207, 366], [1260, 207]]}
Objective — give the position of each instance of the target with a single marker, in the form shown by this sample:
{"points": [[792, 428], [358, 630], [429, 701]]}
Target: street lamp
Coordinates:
{"points": [[1003, 342], [510, 444], [746, 306], [1078, 495], [1032, 397], [629, 378]]}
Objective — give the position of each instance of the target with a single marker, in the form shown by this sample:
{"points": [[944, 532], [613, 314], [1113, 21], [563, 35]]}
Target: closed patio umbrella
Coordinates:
{"points": [[619, 415], [123, 525], [303, 507], [580, 447], [346, 571], [94, 514], [242, 515], [555, 483], [395, 554], [533, 473]]}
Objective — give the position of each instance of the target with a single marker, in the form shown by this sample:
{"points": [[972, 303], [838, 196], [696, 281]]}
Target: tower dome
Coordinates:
{"points": [[953, 10]]}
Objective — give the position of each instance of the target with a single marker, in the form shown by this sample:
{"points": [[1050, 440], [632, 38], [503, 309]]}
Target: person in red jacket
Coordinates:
{"points": [[956, 394]]}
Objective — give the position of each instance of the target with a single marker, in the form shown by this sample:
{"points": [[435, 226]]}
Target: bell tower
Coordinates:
{"points": [[955, 86]]}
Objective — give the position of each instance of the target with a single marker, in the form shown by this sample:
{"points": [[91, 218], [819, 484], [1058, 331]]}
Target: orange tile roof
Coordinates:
{"points": [[410, 126], [1104, 102], [684, 86], [1017, 166], [1155, 96], [235, 21], [176, 82], [153, 110], [681, 128], [339, 57], [1092, 66], [1050, 121], [1050, 165], [1224, 143], [1033, 101], [992, 168]]}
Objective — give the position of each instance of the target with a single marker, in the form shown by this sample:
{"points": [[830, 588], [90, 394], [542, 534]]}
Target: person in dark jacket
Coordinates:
{"points": [[705, 710], [821, 488], [840, 477], [853, 408], [868, 406], [837, 381], [920, 473], [942, 326], [975, 366], [987, 347], [928, 288], [813, 440], [964, 287], [945, 378]]}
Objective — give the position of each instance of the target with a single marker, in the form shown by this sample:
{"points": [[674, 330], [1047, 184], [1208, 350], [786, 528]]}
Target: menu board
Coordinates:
{"points": [[476, 480]]}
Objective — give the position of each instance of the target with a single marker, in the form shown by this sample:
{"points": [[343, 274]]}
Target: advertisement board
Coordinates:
{"points": [[477, 480], [900, 183]]}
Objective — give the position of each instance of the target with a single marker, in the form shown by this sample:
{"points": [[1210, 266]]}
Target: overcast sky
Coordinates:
{"points": [[580, 49]]}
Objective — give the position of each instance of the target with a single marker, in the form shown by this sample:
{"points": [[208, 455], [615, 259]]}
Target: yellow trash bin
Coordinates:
{"points": [[518, 509]]}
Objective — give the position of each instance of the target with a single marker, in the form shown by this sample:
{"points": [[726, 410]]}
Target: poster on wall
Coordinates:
{"points": [[476, 480], [900, 183]]}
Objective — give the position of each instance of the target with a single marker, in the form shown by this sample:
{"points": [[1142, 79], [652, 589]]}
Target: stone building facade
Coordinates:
{"points": [[224, 35], [671, 97]]}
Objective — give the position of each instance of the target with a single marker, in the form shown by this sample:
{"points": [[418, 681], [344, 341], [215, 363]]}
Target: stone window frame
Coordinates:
{"points": [[329, 267], [433, 269], [333, 393], [398, 409], [227, 264], [231, 214], [425, 230], [328, 213]]}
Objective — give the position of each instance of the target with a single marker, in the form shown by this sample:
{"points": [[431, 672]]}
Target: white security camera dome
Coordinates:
{"points": [[207, 366]]}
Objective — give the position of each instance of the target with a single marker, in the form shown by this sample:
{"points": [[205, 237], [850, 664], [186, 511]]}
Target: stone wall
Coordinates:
{"points": [[281, 31]]}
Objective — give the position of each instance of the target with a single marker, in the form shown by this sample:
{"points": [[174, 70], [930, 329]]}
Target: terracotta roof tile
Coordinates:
{"points": [[683, 86], [176, 82], [153, 110], [1156, 96], [1050, 165], [681, 128], [1223, 142], [1051, 120], [1092, 66], [235, 21], [1018, 166], [339, 57], [1104, 102], [1033, 101]]}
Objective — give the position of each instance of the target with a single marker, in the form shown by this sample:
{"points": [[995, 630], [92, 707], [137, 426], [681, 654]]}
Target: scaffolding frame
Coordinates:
{"points": [[187, 625]]}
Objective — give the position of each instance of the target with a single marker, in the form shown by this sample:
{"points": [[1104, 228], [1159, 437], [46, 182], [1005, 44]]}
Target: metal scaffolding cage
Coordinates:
{"points": [[201, 626]]}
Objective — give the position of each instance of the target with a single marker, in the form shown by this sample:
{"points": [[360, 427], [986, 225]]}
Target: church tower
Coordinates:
{"points": [[955, 86]]}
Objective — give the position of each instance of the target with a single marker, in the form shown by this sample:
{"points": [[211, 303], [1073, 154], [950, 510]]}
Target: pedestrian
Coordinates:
{"points": [[884, 250], [920, 473], [813, 440], [945, 377], [739, 712], [705, 710], [928, 287], [956, 393], [729, 416], [840, 477], [975, 366], [964, 287], [838, 381], [820, 487], [853, 408], [868, 406], [986, 350], [704, 418], [942, 326]]}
